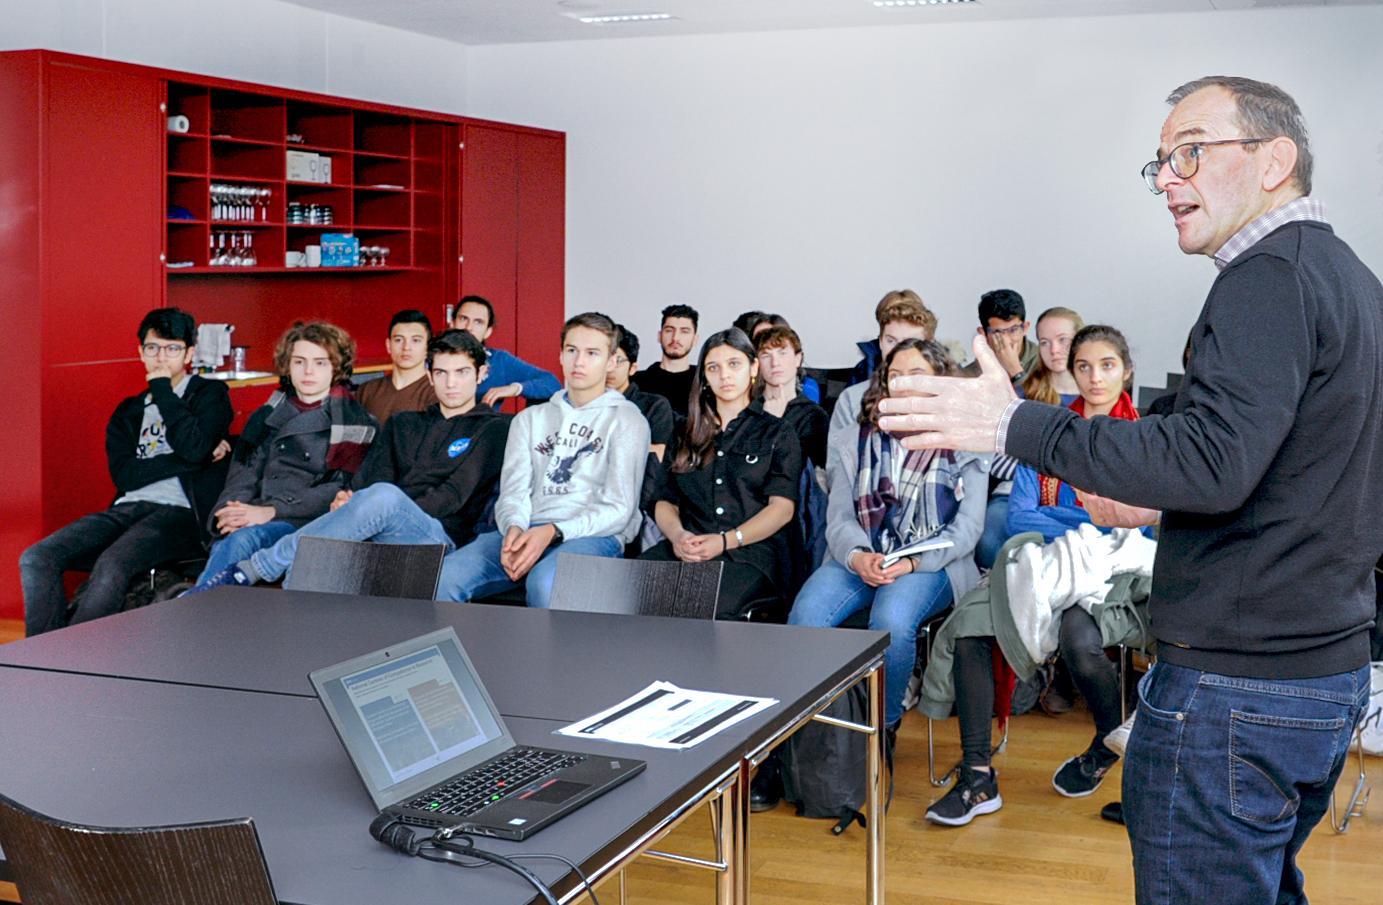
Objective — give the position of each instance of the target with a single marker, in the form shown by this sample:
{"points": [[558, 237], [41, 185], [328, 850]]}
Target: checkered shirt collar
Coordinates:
{"points": [[1305, 208]]}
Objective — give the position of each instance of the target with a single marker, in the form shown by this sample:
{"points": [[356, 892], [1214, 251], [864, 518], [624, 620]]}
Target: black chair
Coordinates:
{"points": [[372, 570], [57, 863], [636, 587]]}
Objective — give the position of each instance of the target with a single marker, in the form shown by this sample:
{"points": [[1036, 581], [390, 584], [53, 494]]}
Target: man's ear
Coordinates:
{"points": [[1281, 161], [480, 375], [633, 368]]}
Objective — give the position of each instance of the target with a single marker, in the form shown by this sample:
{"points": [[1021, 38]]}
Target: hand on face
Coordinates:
{"points": [[950, 412]]}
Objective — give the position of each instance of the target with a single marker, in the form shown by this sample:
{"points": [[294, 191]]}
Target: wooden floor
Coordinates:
{"points": [[1039, 848]]}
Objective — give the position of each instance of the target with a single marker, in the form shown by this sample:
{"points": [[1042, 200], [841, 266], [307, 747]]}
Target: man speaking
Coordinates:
{"points": [[1269, 478]]}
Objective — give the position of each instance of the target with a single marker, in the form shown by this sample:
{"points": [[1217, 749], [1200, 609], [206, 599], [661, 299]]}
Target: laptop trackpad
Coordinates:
{"points": [[558, 791]]}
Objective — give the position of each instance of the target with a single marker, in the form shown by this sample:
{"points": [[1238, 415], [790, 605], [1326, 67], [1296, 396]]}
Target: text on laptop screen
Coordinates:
{"points": [[413, 713]]}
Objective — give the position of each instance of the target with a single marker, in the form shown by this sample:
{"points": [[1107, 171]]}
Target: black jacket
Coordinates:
{"points": [[194, 423], [448, 466], [288, 468], [1269, 471]]}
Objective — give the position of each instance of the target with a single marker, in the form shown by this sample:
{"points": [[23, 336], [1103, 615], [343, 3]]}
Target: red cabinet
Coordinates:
{"points": [[88, 171]]}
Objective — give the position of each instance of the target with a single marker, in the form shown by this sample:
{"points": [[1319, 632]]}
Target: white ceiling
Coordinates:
{"points": [[525, 21]]}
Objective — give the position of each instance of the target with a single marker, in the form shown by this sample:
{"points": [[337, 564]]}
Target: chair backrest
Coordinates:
{"points": [[372, 570], [636, 587], [58, 863]]}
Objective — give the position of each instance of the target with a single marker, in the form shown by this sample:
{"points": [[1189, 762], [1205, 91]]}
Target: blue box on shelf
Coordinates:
{"points": [[340, 250]]}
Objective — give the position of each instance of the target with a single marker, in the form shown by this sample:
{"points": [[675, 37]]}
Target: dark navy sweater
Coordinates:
{"points": [[1269, 471]]}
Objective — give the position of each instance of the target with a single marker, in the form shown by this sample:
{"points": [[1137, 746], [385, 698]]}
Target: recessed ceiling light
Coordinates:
{"points": [[614, 18], [917, 2]]}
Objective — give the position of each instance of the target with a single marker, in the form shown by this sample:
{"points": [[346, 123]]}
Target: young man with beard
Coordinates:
{"points": [[671, 378]]}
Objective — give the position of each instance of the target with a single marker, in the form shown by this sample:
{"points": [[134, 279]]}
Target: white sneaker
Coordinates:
{"points": [[1117, 740]]}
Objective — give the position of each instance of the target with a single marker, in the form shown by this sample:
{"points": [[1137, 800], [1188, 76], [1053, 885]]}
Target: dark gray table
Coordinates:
{"points": [[200, 709]]}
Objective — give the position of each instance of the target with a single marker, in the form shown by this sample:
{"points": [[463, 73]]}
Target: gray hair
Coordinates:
{"points": [[1264, 111]]}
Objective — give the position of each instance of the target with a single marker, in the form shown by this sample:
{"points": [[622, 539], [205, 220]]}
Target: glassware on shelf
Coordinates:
{"points": [[232, 249], [373, 255], [240, 203]]}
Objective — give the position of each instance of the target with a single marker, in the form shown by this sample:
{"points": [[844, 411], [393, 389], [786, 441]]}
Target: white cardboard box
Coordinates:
{"points": [[307, 166]]}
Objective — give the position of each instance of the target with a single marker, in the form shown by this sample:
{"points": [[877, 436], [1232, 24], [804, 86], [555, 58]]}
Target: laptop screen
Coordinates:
{"points": [[412, 715]]}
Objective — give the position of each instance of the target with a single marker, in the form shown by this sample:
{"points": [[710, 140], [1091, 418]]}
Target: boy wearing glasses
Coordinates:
{"points": [[1004, 325], [160, 447]]}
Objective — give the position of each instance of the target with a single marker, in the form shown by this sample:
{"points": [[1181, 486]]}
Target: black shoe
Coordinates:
{"points": [[974, 792], [1113, 811], [766, 788], [1082, 774]]}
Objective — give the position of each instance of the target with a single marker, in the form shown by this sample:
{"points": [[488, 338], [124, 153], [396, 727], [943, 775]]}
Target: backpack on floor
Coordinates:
{"points": [[823, 766]]}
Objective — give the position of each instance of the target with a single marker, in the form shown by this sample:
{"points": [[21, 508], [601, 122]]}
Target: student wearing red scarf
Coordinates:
{"points": [[1103, 369]]}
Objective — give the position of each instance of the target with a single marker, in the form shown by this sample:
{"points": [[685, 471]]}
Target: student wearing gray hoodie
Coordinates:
{"points": [[573, 471]]}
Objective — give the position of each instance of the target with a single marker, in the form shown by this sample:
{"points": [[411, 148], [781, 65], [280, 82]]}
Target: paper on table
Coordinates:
{"points": [[919, 547], [665, 716]]}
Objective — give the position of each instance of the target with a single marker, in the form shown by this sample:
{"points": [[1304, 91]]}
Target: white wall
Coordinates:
{"points": [[808, 172], [264, 41]]}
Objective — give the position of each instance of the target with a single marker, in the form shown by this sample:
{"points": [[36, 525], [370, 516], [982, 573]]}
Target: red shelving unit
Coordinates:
{"points": [[92, 169]]}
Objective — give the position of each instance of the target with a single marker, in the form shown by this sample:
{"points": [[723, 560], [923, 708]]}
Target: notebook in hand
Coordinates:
{"points": [[432, 749]]}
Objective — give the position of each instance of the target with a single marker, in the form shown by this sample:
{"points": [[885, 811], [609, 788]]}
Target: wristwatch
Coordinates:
{"points": [[557, 536]]}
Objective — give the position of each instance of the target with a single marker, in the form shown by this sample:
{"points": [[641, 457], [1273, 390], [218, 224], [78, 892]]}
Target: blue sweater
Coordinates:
{"points": [[1053, 521], [506, 368]]}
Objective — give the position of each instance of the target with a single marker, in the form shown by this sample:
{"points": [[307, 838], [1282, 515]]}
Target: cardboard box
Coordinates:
{"points": [[308, 166]]}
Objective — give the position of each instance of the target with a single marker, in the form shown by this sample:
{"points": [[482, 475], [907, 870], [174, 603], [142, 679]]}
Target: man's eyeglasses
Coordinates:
{"points": [[1186, 159], [172, 350], [1013, 332]]}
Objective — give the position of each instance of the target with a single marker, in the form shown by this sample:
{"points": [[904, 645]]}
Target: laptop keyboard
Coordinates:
{"points": [[492, 781]]}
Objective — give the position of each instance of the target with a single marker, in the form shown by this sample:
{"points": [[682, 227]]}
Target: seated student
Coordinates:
{"points": [[884, 497], [296, 451], [901, 315], [671, 377], [780, 366], [730, 489], [656, 410], [1050, 381], [406, 387], [573, 471], [159, 448], [749, 321], [1100, 360], [806, 384], [426, 479], [509, 375], [1003, 322]]}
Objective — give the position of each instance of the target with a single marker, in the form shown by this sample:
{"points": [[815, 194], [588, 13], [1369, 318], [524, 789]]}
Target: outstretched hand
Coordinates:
{"points": [[1108, 513], [950, 412]]}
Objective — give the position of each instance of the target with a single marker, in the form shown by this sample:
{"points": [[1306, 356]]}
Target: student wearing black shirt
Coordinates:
{"points": [[729, 489], [780, 366], [671, 378], [656, 409]]}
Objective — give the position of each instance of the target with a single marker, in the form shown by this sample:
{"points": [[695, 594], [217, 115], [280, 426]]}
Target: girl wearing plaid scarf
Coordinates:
{"points": [[884, 498]]}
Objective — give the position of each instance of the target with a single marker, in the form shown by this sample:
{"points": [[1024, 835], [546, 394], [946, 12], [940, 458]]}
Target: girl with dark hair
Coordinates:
{"points": [[1103, 369], [883, 498], [730, 489]]}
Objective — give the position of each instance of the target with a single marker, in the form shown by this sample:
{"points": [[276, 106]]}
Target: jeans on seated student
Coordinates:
{"points": [[833, 593], [474, 571], [884, 498], [381, 513]]}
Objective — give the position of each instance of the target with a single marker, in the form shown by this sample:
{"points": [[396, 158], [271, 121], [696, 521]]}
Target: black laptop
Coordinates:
{"points": [[425, 737]]}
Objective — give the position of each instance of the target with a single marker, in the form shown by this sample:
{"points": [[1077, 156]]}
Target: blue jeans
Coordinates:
{"points": [[834, 592], [474, 570], [995, 531], [239, 544], [381, 513], [1225, 778]]}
